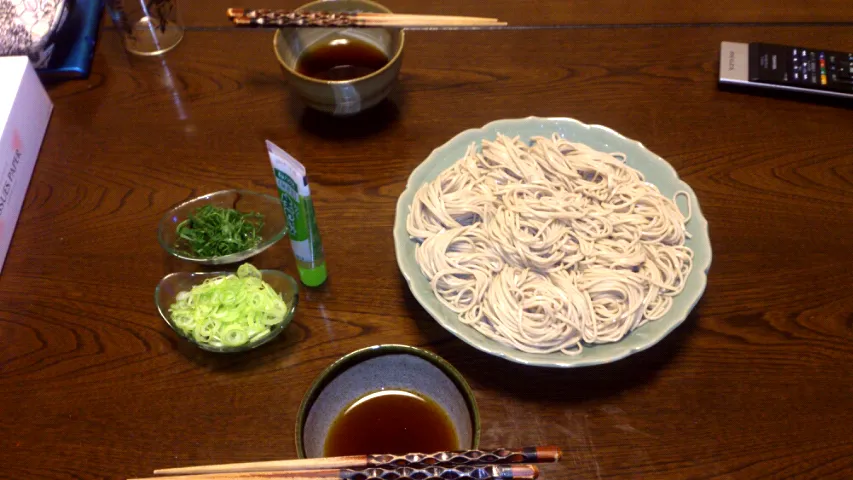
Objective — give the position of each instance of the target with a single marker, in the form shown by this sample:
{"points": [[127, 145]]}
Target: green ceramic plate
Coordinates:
{"points": [[656, 171]]}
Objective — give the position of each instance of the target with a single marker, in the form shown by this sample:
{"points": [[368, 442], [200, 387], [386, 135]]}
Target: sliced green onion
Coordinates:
{"points": [[247, 270], [212, 231], [234, 335], [229, 310]]}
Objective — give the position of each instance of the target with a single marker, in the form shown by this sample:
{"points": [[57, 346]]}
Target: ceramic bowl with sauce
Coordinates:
{"points": [[341, 71], [387, 399]]}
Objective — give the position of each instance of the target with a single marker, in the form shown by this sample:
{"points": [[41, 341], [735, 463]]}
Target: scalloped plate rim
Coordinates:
{"points": [[699, 270]]}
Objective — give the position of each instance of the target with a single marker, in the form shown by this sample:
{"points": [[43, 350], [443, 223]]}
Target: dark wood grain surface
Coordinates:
{"points": [[577, 12], [755, 384]]}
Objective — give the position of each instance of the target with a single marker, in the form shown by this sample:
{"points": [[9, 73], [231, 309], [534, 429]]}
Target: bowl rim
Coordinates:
{"points": [[288, 317], [700, 269], [238, 256], [393, 60], [355, 357]]}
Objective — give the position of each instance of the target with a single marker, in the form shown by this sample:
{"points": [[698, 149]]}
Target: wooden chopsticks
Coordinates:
{"points": [[459, 472], [275, 18], [500, 463]]}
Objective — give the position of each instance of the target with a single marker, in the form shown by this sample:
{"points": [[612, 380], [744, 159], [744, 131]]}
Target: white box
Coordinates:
{"points": [[24, 113]]}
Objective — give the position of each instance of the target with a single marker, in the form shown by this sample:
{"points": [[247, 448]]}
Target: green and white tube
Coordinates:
{"points": [[295, 196]]}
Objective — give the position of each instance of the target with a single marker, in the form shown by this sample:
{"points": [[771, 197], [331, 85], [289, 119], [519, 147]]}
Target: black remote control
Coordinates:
{"points": [[792, 69]]}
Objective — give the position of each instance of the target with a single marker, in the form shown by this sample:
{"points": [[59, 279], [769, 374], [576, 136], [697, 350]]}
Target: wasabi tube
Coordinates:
{"points": [[295, 196]]}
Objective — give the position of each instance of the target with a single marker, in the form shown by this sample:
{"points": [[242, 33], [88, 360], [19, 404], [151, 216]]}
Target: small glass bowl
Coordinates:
{"points": [[244, 201], [174, 283]]}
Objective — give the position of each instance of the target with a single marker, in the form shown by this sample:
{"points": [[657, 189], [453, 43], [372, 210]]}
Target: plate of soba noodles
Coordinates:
{"points": [[553, 243]]}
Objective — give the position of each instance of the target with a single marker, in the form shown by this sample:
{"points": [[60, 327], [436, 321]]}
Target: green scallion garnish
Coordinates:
{"points": [[212, 231], [229, 310]]}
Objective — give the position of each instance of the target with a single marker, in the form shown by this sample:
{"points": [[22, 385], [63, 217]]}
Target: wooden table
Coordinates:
{"points": [[755, 384]]}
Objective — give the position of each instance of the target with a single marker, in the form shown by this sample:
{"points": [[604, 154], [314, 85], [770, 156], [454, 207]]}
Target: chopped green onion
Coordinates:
{"points": [[212, 231], [234, 335], [229, 310]]}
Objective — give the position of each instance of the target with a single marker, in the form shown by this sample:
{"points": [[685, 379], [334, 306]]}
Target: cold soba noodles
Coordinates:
{"points": [[549, 246]]}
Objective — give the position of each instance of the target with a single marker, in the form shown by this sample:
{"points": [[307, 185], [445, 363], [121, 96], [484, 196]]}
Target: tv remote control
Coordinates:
{"points": [[786, 68]]}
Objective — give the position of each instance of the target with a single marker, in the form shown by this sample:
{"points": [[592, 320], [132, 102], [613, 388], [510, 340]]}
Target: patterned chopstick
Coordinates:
{"points": [[458, 472], [276, 18], [499, 456]]}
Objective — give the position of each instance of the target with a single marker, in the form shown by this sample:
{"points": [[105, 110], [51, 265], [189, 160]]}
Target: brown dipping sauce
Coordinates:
{"points": [[340, 59], [391, 421]]}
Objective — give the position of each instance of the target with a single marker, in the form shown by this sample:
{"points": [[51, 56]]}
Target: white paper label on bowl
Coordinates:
{"points": [[347, 99]]}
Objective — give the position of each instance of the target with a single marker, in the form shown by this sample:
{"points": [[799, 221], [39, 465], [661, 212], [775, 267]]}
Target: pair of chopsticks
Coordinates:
{"points": [[503, 464], [274, 18]]}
